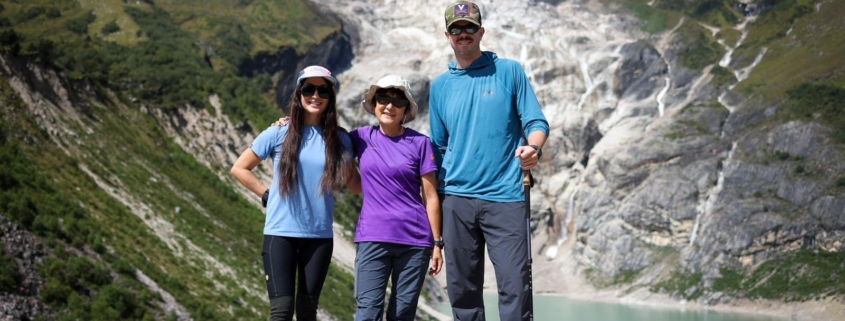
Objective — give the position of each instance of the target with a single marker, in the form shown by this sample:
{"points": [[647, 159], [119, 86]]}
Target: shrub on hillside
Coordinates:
{"points": [[54, 13], [115, 303], [722, 76], [55, 292], [821, 102], [44, 51], [81, 272], [236, 45], [656, 20], [110, 28], [80, 25], [30, 14], [10, 277], [10, 41], [701, 50], [716, 12]]}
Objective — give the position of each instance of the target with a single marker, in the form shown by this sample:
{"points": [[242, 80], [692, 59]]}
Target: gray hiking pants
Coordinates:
{"points": [[467, 225], [404, 265]]}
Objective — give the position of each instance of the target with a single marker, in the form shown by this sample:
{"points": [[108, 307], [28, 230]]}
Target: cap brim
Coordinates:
{"points": [[331, 80], [368, 100], [464, 19]]}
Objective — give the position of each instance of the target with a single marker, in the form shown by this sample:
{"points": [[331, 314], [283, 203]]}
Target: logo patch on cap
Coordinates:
{"points": [[461, 10]]}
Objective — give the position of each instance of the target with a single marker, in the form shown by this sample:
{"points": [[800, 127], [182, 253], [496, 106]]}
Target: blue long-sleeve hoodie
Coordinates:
{"points": [[475, 117]]}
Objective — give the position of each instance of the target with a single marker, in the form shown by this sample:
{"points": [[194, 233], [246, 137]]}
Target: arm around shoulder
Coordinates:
{"points": [[352, 178], [351, 175]]}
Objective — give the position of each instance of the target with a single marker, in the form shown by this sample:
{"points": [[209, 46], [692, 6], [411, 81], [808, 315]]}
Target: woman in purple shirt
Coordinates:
{"points": [[399, 227]]}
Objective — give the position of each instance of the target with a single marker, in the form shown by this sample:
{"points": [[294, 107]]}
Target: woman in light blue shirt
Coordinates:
{"points": [[313, 158]]}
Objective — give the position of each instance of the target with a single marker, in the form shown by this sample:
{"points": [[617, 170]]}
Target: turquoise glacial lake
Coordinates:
{"points": [[556, 308]]}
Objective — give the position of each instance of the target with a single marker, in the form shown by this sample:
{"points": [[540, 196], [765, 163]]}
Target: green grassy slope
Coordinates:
{"points": [[813, 50], [207, 254], [269, 24], [65, 208], [128, 192], [168, 54]]}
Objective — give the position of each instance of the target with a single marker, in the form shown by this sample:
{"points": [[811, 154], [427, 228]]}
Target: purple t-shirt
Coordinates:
{"points": [[391, 178]]}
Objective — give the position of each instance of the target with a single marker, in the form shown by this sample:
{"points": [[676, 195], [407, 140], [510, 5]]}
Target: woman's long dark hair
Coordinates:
{"points": [[336, 155]]}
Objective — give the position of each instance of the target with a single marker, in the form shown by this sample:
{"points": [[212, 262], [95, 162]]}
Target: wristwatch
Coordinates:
{"points": [[265, 197], [538, 149], [439, 243]]}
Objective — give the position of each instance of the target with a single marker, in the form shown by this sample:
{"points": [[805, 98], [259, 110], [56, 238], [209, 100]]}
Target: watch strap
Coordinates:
{"points": [[265, 197], [538, 149]]}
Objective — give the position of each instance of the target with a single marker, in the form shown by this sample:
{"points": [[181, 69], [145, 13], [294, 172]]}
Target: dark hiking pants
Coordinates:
{"points": [[404, 265], [295, 270], [469, 224]]}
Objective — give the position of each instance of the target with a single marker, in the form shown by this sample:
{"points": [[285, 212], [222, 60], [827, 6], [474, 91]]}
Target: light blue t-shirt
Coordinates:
{"points": [[306, 212]]}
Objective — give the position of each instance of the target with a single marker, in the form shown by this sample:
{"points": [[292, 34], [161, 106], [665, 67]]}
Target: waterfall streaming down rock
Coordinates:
{"points": [[691, 143], [655, 168]]}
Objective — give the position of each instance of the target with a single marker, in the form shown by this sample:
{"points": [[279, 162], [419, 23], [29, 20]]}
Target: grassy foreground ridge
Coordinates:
{"points": [[112, 196]]}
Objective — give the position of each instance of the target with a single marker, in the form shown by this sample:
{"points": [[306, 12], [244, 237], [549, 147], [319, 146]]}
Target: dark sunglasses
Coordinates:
{"points": [[470, 29], [398, 102], [322, 91]]}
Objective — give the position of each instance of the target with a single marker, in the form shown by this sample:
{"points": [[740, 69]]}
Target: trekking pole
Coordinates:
{"points": [[527, 182]]}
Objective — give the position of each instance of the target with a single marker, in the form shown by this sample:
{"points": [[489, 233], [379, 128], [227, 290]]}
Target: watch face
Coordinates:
{"points": [[537, 148]]}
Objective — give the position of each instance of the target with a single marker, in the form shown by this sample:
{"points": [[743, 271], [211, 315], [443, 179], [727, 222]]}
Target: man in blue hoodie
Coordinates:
{"points": [[480, 110]]}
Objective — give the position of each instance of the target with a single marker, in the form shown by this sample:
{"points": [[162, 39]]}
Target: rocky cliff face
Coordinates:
{"points": [[334, 53], [652, 166], [29, 252], [647, 156]]}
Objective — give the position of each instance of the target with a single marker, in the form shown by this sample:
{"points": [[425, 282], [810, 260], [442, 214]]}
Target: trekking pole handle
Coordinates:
{"points": [[526, 178]]}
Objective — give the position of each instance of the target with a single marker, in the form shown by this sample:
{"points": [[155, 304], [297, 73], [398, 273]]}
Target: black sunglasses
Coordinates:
{"points": [[322, 91], [469, 28], [398, 102]]}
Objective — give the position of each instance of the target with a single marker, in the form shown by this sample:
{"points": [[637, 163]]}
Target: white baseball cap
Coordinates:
{"points": [[314, 72]]}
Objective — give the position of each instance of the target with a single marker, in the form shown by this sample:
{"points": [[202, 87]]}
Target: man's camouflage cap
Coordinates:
{"points": [[463, 11]]}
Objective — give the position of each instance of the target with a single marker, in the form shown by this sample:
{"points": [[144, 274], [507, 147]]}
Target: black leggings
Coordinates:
{"points": [[287, 257]]}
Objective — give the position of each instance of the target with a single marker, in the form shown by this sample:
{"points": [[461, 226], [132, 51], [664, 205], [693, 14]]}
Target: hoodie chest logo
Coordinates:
{"points": [[487, 92]]}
